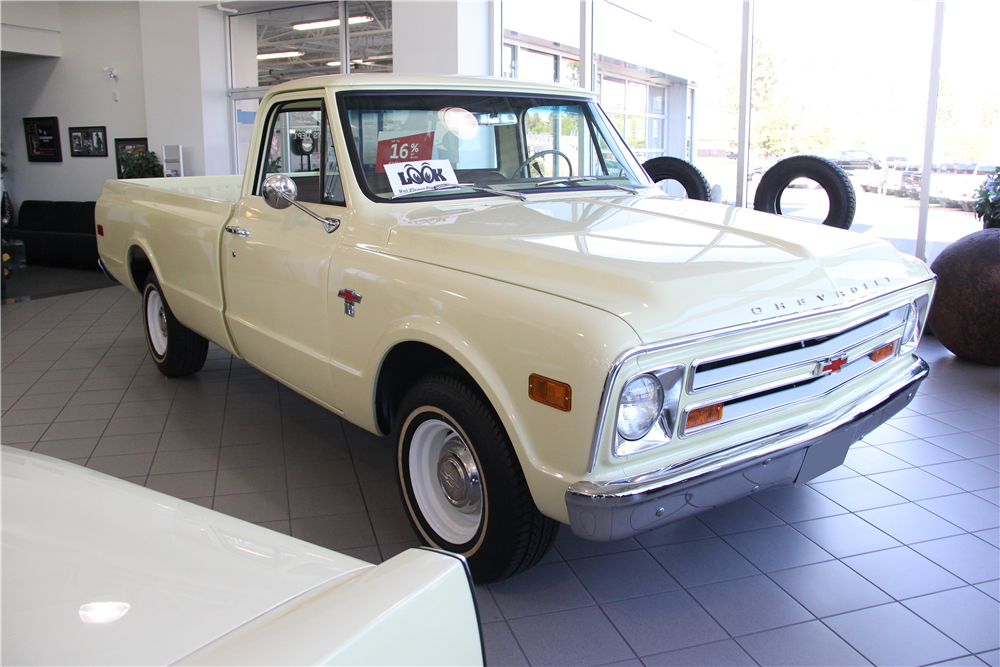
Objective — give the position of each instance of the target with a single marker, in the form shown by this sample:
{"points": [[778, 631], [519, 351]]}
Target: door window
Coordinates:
{"points": [[298, 144]]}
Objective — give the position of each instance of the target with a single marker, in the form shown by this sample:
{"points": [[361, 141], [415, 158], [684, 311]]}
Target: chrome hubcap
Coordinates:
{"points": [[459, 477], [163, 322]]}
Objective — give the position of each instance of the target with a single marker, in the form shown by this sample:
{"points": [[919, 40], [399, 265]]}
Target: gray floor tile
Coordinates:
{"points": [[966, 615], [991, 462], [753, 604], [571, 547], [323, 500], [250, 456], [30, 416], [726, 652], [965, 474], [381, 494], [28, 434], [777, 548], [966, 420], [320, 473], [990, 658], [885, 434], [967, 661], [810, 643], [870, 460], [283, 527], [910, 523], [188, 421], [43, 401], [96, 397], [858, 493], [965, 510], [67, 449], [966, 556], [703, 562], [919, 452], [248, 480], [665, 622], [178, 440], [501, 647], [903, 573], [110, 445], [685, 530], [184, 484], [260, 506], [619, 576], [81, 429], [893, 635], [188, 460], [923, 426], [845, 535], [967, 445], [73, 413], [929, 405], [915, 484], [391, 526], [142, 409], [540, 590], [738, 516], [573, 637], [489, 612], [990, 536], [126, 465], [829, 588]]}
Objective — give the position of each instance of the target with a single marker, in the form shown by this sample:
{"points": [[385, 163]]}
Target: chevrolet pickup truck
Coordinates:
{"points": [[548, 338]]}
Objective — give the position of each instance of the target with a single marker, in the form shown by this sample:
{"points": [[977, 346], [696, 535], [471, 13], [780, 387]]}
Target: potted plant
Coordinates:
{"points": [[987, 203], [141, 164]]}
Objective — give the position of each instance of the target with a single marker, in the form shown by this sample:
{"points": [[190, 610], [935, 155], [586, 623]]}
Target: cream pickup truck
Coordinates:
{"points": [[481, 268]]}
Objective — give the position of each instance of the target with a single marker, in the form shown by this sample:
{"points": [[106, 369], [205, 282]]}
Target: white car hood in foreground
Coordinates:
{"points": [[669, 267], [73, 537]]}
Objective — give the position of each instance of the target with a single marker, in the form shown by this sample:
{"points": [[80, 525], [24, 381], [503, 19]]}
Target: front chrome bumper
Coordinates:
{"points": [[618, 509]]}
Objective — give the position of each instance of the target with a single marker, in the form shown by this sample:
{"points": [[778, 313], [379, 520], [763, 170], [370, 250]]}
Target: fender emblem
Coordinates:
{"points": [[350, 298], [832, 366]]}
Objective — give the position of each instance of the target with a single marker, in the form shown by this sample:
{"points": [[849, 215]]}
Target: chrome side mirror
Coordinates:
{"points": [[279, 191]]}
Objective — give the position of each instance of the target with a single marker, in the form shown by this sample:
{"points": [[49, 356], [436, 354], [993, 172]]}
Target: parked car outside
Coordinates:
{"points": [[100, 571]]}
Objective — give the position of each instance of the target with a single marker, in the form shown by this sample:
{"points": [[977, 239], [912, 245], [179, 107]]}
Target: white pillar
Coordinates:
{"points": [[588, 78], [443, 37], [932, 103], [746, 74]]}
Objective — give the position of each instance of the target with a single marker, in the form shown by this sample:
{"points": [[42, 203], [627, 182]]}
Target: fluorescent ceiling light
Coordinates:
{"points": [[335, 63], [331, 23], [282, 54]]}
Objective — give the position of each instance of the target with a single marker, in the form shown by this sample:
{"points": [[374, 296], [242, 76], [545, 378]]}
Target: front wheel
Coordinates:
{"points": [[176, 350], [461, 482]]}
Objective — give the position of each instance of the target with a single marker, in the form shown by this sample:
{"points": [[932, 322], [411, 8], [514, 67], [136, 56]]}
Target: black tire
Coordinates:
{"points": [[489, 517], [675, 169], [833, 179], [176, 350]]}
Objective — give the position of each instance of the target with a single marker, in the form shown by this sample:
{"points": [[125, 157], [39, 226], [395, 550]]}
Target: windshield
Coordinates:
{"points": [[439, 145]]}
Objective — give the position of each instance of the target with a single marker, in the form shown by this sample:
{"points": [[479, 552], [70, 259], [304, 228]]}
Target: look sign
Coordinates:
{"points": [[420, 176]]}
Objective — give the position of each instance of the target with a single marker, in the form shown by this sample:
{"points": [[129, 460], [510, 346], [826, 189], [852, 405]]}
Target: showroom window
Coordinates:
{"points": [[270, 47], [536, 64], [638, 111]]}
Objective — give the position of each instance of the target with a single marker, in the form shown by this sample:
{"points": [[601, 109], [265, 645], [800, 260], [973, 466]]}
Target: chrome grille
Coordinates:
{"points": [[757, 381]]}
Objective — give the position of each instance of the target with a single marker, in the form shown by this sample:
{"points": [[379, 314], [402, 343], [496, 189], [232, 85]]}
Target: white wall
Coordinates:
{"points": [[172, 88], [76, 90], [31, 27]]}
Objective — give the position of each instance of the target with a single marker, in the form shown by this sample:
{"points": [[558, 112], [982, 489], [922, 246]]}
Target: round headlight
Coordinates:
{"points": [[640, 405]]}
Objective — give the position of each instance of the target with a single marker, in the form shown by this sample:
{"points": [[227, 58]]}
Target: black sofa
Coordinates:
{"points": [[56, 233]]}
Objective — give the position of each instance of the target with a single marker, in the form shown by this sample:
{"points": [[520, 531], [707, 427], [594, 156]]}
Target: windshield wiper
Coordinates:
{"points": [[472, 186], [569, 180]]}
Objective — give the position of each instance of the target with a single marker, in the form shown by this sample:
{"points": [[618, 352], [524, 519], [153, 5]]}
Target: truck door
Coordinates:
{"points": [[276, 263]]}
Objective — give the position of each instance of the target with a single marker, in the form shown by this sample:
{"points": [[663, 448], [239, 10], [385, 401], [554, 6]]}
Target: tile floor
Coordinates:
{"points": [[891, 559]]}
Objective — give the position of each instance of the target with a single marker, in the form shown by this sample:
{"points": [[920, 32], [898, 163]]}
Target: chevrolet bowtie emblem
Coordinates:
{"points": [[832, 365], [350, 298]]}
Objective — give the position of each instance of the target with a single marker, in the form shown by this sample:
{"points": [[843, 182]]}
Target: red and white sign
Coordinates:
{"points": [[410, 148]]}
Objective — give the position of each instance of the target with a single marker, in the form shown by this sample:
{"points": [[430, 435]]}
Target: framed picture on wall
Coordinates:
{"points": [[42, 137], [88, 141], [122, 146]]}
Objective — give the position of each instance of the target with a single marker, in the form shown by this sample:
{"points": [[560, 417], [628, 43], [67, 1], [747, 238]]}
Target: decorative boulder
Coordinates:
{"points": [[965, 315]]}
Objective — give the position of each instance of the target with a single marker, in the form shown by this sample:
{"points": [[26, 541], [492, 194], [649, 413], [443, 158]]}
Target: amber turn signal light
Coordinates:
{"points": [[705, 415], [549, 392], [100, 230], [883, 352]]}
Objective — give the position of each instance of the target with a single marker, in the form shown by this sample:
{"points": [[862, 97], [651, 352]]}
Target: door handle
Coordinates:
{"points": [[239, 231]]}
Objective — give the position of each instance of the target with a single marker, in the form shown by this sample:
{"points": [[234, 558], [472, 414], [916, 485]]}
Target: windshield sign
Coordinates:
{"points": [[409, 177]]}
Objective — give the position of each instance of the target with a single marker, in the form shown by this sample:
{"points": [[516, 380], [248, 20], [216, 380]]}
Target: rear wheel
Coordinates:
{"points": [[462, 484], [176, 350]]}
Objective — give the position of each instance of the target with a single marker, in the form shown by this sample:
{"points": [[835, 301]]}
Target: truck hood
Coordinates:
{"points": [[669, 267], [97, 570]]}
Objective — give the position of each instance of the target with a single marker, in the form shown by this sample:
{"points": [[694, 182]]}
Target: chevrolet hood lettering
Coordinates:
{"points": [[669, 267]]}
